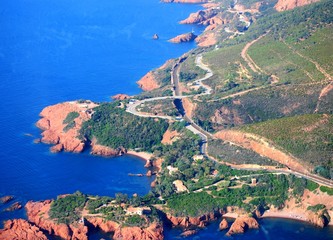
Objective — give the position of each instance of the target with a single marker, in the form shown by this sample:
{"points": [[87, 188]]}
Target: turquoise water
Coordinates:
{"points": [[55, 51]]}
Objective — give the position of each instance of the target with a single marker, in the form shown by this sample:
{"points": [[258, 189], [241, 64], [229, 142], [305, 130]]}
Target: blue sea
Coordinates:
{"points": [[55, 51]]}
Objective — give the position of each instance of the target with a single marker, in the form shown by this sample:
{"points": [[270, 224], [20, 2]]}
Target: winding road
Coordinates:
{"points": [[131, 108]]}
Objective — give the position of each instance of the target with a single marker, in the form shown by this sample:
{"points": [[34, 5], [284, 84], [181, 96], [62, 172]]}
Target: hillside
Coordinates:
{"points": [[257, 130]]}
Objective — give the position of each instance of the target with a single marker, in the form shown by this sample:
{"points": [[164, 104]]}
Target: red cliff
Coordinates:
{"points": [[21, 229], [148, 82], [283, 5], [54, 128], [186, 37], [241, 224], [186, 222], [38, 213], [199, 17]]}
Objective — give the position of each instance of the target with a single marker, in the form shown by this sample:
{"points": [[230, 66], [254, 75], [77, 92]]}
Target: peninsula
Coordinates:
{"points": [[239, 127]]}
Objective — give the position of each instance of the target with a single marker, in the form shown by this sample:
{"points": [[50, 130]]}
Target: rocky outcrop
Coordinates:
{"points": [[101, 150], [188, 222], [184, 1], [199, 17], [241, 224], [54, 128], [187, 233], [155, 37], [148, 82], [105, 226], [38, 213], [21, 229], [6, 199], [120, 96], [223, 225], [320, 218], [13, 207], [153, 232], [207, 39], [283, 5], [186, 37]]}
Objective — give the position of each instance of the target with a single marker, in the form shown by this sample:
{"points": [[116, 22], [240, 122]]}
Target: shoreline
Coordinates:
{"points": [[142, 155]]}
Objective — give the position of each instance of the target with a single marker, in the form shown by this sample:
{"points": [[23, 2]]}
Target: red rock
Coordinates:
{"points": [[199, 17], [186, 37], [19, 229], [189, 233], [51, 123], [57, 148], [148, 82], [283, 5], [105, 226], [200, 221], [38, 213], [6, 199], [153, 232], [121, 96], [241, 224], [106, 151], [13, 207], [223, 224]]}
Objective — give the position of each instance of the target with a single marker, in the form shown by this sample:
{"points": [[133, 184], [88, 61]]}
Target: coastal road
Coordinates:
{"points": [[205, 136]]}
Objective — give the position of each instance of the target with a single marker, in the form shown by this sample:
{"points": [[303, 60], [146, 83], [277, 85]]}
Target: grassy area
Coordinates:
{"points": [[275, 57], [163, 107], [260, 105], [319, 48], [236, 155], [308, 137], [189, 71]]}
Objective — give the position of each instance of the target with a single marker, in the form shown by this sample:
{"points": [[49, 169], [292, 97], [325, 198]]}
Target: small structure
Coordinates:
{"points": [[198, 157], [137, 210], [253, 181], [172, 169], [180, 186]]}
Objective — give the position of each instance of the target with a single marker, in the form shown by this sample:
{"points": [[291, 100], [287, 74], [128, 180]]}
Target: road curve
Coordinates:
{"points": [[196, 129]]}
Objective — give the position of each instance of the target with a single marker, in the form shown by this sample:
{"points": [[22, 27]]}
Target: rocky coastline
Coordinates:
{"points": [[39, 223]]}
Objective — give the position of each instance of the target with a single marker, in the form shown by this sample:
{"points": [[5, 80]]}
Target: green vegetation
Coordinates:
{"points": [[112, 126], [192, 204], [189, 71], [163, 107], [309, 137], [69, 120], [276, 57], [70, 117], [327, 190], [237, 155], [67, 209], [310, 185], [258, 106], [316, 208], [270, 190]]}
